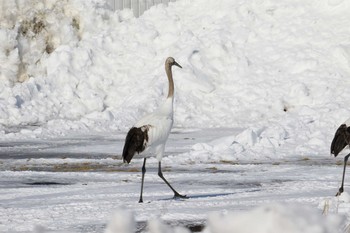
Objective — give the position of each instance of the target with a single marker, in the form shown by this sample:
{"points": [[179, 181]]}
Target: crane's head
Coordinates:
{"points": [[170, 61]]}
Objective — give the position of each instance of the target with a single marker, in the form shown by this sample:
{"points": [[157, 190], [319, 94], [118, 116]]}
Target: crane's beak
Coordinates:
{"points": [[177, 64]]}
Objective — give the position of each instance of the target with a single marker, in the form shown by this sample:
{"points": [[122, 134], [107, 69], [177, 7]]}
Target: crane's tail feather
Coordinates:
{"points": [[136, 141], [341, 139]]}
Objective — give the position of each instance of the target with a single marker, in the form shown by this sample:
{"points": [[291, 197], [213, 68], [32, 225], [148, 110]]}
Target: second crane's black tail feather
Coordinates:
{"points": [[135, 141], [341, 140]]}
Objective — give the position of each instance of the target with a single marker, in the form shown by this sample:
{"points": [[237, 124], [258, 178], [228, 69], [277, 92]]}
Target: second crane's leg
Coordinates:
{"points": [[341, 189], [160, 174], [143, 177]]}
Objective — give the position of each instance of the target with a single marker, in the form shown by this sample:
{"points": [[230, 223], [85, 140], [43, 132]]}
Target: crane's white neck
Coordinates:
{"points": [[167, 107]]}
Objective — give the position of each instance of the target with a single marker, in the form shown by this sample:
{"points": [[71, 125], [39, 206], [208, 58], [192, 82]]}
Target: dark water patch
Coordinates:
{"points": [[196, 226], [45, 183]]}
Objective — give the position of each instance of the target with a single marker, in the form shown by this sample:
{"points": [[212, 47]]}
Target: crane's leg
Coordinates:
{"points": [[341, 189], [143, 177], [160, 174]]}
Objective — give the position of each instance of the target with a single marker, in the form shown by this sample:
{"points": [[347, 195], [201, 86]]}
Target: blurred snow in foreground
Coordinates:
{"points": [[266, 219]]}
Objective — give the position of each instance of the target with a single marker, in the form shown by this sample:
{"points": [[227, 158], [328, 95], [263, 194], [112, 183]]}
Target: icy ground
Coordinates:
{"points": [[77, 184]]}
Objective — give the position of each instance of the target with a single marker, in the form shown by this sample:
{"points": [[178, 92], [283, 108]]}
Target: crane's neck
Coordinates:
{"points": [[171, 81]]}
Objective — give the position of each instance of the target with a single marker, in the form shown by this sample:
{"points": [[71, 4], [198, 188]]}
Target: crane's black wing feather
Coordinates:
{"points": [[341, 139], [135, 141]]}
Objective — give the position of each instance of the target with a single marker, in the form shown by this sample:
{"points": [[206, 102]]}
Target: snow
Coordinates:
{"points": [[81, 185], [244, 63], [275, 218], [262, 90], [121, 222]]}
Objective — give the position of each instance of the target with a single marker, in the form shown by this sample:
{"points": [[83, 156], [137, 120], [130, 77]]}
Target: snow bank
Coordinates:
{"points": [[295, 137], [253, 143], [279, 69], [266, 219], [275, 218]]}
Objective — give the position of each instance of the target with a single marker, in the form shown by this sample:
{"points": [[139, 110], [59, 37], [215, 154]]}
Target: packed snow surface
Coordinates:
{"points": [[81, 185], [266, 81]]}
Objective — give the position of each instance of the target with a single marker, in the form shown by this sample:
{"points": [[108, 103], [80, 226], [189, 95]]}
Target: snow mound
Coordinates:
{"points": [[122, 222], [275, 219], [78, 66], [336, 205], [252, 143]]}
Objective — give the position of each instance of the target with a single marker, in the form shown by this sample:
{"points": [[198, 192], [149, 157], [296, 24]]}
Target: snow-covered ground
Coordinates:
{"points": [[66, 189], [262, 90]]}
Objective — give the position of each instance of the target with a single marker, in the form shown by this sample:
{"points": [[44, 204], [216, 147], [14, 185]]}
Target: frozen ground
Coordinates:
{"points": [[77, 184]]}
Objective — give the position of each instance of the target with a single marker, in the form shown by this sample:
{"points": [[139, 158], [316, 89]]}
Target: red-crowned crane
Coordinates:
{"points": [[340, 141], [149, 135]]}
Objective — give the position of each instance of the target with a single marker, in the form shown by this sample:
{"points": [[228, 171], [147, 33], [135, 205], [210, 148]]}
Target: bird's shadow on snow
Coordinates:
{"points": [[206, 195]]}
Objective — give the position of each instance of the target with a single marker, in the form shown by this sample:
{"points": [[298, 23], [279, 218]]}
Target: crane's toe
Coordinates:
{"points": [[179, 196], [341, 189]]}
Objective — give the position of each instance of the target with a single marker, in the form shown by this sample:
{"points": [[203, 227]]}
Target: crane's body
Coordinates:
{"points": [[158, 124], [340, 141], [148, 136]]}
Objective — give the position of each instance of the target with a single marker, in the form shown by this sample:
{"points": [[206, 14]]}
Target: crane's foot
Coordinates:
{"points": [[179, 196], [341, 189]]}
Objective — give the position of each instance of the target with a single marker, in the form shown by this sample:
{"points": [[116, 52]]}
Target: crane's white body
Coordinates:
{"points": [[159, 124]]}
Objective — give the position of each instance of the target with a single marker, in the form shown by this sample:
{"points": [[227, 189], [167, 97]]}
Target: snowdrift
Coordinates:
{"points": [[265, 219], [277, 69]]}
